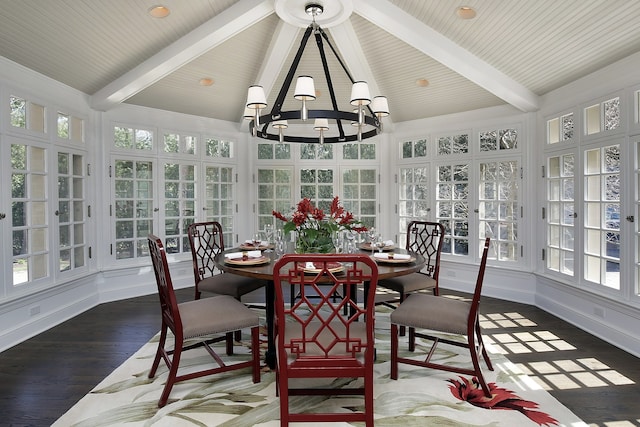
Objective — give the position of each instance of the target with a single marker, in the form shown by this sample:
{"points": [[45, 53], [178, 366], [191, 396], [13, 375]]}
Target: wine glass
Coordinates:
{"points": [[268, 232], [257, 239], [373, 236], [379, 243], [280, 244], [351, 245], [338, 241]]}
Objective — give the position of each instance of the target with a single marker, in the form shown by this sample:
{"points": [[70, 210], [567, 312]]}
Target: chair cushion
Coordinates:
{"points": [[215, 315], [230, 284], [436, 313], [408, 283], [357, 331]]}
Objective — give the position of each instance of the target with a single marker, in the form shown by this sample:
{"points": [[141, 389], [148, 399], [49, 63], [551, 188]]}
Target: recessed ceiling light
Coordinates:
{"points": [[422, 82], [466, 12], [206, 81], [159, 11]]}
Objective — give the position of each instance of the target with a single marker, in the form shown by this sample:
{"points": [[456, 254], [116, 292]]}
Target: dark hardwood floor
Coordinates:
{"points": [[43, 377]]}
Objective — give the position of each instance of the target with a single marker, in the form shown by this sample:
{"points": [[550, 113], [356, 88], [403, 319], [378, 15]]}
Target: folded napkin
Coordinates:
{"points": [[395, 256], [388, 243], [250, 254], [233, 255]]}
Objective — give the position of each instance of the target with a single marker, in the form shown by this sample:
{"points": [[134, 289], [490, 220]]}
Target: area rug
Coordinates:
{"points": [[420, 397]]}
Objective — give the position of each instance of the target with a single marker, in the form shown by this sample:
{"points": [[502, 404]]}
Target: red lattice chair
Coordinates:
{"points": [[446, 316], [425, 238], [316, 339], [207, 240], [209, 320]]}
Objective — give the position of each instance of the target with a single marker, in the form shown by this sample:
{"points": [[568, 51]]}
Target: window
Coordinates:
{"points": [[452, 207], [560, 129], [637, 106], [134, 207], [176, 143], [179, 205], [132, 139], [318, 185], [602, 216], [498, 140], [219, 200], [218, 148], [71, 211], [414, 149], [275, 193], [29, 209], [636, 289], [453, 144], [316, 151], [498, 207], [70, 128], [27, 115], [359, 194], [413, 198], [274, 151], [359, 151], [604, 116], [560, 215]]}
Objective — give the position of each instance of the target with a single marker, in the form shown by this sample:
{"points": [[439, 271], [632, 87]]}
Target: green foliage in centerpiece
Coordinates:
{"points": [[314, 228]]}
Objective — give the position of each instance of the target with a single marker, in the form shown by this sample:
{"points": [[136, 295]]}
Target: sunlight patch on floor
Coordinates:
{"points": [[562, 374]]}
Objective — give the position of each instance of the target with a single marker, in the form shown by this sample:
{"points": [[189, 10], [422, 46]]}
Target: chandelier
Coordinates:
{"points": [[272, 126]]}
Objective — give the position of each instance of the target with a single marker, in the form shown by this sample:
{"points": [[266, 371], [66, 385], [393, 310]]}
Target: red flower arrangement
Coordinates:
{"points": [[315, 228]]}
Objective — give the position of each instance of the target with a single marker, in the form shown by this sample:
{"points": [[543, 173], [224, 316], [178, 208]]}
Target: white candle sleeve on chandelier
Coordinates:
{"points": [[305, 91]]}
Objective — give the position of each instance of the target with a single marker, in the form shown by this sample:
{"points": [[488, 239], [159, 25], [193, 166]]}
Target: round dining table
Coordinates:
{"points": [[265, 272]]}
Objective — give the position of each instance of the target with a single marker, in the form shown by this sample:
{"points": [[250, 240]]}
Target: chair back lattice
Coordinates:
{"points": [[168, 302], [206, 241], [426, 238], [319, 330]]}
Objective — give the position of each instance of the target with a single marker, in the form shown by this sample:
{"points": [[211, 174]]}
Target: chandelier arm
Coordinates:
{"points": [[327, 76], [277, 106], [335, 53], [342, 64]]}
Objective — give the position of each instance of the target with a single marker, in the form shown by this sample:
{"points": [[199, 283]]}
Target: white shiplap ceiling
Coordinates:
{"points": [[512, 52]]}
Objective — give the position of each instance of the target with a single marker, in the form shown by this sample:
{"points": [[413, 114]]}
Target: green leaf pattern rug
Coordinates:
{"points": [[420, 397]]}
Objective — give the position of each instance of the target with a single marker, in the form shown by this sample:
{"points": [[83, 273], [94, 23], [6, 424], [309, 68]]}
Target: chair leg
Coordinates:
{"points": [[238, 334], [412, 339], [173, 372], [402, 328], [161, 343], [255, 350], [368, 396], [485, 355], [229, 342], [284, 401], [394, 351], [476, 365]]}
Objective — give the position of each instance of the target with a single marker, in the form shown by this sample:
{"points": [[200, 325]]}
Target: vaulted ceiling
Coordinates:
{"points": [[512, 52]]}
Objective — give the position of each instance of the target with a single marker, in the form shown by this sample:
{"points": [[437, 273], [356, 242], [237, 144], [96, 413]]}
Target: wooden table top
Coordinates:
{"points": [[265, 271]]}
